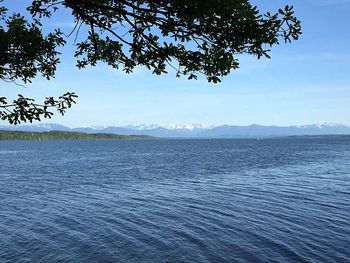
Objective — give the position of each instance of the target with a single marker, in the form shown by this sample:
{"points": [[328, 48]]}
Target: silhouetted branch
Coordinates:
{"points": [[25, 109]]}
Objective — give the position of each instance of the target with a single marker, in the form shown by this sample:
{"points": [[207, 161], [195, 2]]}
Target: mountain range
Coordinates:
{"points": [[194, 131]]}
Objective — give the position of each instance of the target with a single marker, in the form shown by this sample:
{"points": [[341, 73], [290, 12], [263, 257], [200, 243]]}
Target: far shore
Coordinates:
{"points": [[64, 135]]}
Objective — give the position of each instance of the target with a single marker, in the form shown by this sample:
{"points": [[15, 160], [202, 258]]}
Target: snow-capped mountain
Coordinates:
{"points": [[195, 130], [169, 126]]}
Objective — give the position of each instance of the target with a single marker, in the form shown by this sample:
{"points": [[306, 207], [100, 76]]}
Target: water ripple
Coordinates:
{"points": [[175, 201]]}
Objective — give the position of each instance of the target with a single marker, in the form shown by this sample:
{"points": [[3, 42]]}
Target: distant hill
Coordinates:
{"points": [[65, 135], [326, 136], [195, 131]]}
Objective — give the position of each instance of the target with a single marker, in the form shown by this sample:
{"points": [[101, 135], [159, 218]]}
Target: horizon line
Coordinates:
{"points": [[174, 125]]}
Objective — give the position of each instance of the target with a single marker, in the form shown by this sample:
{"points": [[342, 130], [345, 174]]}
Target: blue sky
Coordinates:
{"points": [[305, 82]]}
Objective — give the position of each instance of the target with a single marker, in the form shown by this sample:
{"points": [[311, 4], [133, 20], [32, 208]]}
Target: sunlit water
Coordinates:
{"points": [[175, 201]]}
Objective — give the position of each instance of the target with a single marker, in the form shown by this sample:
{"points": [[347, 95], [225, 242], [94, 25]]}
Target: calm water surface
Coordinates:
{"points": [[282, 200]]}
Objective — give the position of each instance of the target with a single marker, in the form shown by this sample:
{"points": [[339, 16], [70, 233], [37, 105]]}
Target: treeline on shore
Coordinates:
{"points": [[64, 135]]}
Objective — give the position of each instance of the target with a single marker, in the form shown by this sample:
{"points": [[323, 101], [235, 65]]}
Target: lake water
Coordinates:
{"points": [[282, 200]]}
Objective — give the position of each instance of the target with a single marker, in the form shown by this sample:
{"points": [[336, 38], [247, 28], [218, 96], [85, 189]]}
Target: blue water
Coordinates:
{"points": [[282, 200]]}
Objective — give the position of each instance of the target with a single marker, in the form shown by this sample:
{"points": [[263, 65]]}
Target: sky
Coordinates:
{"points": [[305, 82]]}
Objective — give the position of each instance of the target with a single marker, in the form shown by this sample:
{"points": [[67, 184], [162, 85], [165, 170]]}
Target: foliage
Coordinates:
{"points": [[24, 109], [191, 36], [24, 53]]}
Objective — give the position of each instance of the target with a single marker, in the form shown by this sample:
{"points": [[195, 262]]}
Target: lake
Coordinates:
{"points": [[277, 200]]}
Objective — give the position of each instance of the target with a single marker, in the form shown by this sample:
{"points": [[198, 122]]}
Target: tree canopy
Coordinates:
{"points": [[191, 37]]}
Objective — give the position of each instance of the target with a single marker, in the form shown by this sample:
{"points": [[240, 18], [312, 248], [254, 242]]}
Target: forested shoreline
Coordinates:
{"points": [[64, 135]]}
